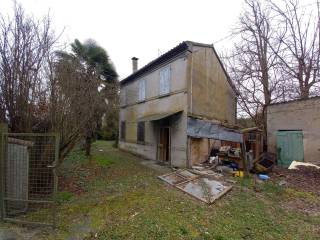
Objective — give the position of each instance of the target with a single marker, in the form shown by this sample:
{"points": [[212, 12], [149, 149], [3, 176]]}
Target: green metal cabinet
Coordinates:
{"points": [[289, 147]]}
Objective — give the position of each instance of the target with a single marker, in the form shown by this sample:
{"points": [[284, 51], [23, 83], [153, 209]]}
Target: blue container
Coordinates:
{"points": [[263, 177], [234, 166]]}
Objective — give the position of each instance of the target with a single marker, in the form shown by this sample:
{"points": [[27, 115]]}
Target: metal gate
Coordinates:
{"points": [[28, 177]]}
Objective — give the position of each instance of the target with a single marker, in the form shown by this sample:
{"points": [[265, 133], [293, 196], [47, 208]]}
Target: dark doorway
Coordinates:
{"points": [[164, 145]]}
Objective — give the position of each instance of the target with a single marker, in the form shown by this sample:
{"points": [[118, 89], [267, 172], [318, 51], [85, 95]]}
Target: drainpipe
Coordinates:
{"points": [[189, 164], [191, 81]]}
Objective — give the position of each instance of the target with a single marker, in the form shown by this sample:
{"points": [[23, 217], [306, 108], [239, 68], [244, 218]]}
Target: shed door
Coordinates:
{"points": [[289, 147]]}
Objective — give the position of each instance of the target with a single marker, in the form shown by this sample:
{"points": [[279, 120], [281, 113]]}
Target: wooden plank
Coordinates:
{"points": [[20, 142], [21, 222]]}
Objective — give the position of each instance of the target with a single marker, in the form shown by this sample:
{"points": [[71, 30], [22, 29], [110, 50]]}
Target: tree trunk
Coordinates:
{"points": [[88, 146], [304, 92]]}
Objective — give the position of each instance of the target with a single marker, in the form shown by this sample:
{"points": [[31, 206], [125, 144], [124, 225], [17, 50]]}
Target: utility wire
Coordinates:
{"points": [[235, 34]]}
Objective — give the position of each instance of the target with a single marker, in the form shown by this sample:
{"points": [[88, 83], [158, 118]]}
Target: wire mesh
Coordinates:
{"points": [[29, 179]]}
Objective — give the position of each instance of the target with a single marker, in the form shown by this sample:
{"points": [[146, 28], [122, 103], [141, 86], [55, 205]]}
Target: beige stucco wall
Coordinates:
{"points": [[298, 115], [129, 92], [198, 86], [210, 94], [132, 110]]}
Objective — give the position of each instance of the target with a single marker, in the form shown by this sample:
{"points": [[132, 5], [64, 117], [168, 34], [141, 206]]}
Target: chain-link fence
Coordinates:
{"points": [[28, 178]]}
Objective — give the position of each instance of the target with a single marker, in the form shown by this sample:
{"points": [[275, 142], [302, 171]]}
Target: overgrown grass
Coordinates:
{"points": [[103, 160], [124, 200], [63, 196], [74, 159]]}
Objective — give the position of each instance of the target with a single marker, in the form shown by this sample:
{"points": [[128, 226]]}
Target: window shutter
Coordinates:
{"points": [[161, 90], [167, 80], [140, 132], [164, 80], [142, 90]]}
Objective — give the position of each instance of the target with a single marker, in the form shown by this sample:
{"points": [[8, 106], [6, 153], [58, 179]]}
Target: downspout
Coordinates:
{"points": [[191, 82], [189, 164]]}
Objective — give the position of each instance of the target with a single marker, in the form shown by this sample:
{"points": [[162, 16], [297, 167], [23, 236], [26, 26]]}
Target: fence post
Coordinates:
{"points": [[3, 129], [55, 177]]}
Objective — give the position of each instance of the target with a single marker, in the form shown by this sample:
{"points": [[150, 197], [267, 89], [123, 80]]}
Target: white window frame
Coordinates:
{"points": [[164, 80], [142, 90]]}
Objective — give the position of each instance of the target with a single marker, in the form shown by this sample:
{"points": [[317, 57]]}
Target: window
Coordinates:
{"points": [[142, 90], [123, 131], [164, 81], [123, 96], [140, 132]]}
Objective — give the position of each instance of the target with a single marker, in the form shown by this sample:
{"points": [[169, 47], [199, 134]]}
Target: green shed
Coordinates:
{"points": [[289, 147]]}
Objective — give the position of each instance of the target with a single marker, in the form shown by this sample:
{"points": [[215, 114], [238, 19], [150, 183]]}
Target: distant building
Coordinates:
{"points": [[163, 103], [294, 131]]}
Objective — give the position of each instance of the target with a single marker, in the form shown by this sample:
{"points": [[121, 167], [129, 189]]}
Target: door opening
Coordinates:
{"points": [[164, 145]]}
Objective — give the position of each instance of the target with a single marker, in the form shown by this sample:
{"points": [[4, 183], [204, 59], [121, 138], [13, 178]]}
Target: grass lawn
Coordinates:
{"points": [[113, 196]]}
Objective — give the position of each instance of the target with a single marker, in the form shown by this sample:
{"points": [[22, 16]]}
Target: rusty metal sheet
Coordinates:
{"points": [[198, 128]]}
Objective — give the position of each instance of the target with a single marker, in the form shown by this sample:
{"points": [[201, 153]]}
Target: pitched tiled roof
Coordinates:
{"points": [[182, 47], [161, 59]]}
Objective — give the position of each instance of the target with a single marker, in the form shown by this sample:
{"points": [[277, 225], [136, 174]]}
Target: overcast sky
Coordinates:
{"points": [[140, 28]]}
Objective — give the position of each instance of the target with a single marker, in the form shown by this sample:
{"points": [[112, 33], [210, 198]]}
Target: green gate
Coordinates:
{"points": [[289, 147], [28, 177]]}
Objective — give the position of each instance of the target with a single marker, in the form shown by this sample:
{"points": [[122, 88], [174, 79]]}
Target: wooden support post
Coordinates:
{"points": [[244, 158], [189, 159], [3, 129]]}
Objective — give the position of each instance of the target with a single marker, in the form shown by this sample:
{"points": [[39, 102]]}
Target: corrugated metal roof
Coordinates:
{"points": [[295, 100], [198, 128], [155, 117]]}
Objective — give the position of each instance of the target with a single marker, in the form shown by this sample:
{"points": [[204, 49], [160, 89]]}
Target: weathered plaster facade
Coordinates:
{"points": [[297, 115], [198, 87], [210, 93]]}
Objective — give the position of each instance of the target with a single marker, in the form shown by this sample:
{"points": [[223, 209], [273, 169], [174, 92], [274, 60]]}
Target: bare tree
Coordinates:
{"points": [[277, 55], [252, 63], [75, 102], [24, 46], [44, 90], [300, 52]]}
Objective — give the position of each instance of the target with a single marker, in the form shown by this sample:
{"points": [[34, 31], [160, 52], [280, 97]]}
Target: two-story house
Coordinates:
{"points": [[166, 105]]}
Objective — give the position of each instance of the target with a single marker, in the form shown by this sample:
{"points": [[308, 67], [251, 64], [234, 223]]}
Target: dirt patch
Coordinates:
{"points": [[70, 184], [303, 206], [75, 181], [303, 178]]}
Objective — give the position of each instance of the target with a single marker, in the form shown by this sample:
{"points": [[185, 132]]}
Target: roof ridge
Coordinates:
{"points": [[181, 47]]}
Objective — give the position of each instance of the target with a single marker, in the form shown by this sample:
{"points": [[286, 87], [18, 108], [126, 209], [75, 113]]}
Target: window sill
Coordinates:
{"points": [[141, 143], [141, 101], [164, 95]]}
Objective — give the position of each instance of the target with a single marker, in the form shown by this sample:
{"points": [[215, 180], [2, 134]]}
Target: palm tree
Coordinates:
{"points": [[95, 58], [98, 66]]}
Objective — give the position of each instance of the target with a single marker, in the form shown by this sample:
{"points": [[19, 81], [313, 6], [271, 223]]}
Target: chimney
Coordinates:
{"points": [[134, 64]]}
